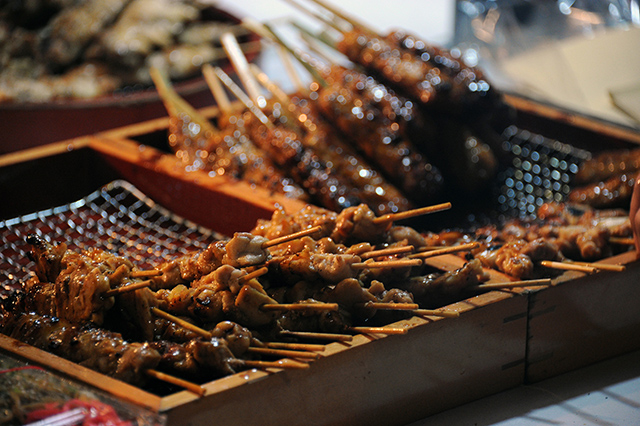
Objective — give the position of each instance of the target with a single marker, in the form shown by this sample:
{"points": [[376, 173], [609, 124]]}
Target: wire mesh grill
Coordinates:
{"points": [[541, 171], [117, 217]]}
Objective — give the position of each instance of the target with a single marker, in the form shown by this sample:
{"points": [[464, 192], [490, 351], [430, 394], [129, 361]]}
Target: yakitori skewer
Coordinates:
{"points": [[566, 266], [312, 347], [379, 330], [598, 265], [182, 323], [446, 250], [284, 363], [391, 306], [621, 241], [254, 274], [394, 217], [150, 273], [283, 352], [437, 313], [190, 386], [387, 264], [337, 337], [391, 251], [127, 288], [291, 237], [514, 284], [309, 307]]}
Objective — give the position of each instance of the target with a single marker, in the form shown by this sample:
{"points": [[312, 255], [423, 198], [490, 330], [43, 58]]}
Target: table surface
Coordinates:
{"points": [[606, 393]]}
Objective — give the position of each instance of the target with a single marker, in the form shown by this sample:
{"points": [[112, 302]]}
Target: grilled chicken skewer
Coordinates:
{"points": [[201, 146]]}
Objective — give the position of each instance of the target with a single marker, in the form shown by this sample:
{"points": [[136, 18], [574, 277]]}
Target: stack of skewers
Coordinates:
{"points": [[323, 272]]}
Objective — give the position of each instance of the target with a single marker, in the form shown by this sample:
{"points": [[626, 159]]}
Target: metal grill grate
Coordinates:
{"points": [[117, 217], [541, 171]]}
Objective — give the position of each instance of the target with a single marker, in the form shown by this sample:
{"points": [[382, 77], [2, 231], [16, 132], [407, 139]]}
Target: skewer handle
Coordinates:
{"points": [[290, 237], [393, 217], [192, 387], [387, 264], [568, 266], [127, 288], [446, 250]]}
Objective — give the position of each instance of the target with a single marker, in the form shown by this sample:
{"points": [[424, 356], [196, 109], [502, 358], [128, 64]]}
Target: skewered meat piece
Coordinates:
{"points": [[284, 147], [465, 87], [209, 303], [351, 226], [143, 27], [227, 153], [311, 261], [613, 192], [378, 136], [318, 321], [377, 192], [433, 289], [580, 242], [517, 257], [606, 165], [94, 348], [70, 284], [69, 32], [421, 71], [244, 249], [201, 359]]}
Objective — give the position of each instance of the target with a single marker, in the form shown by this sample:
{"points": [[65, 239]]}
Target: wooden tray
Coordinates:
{"points": [[499, 341]]}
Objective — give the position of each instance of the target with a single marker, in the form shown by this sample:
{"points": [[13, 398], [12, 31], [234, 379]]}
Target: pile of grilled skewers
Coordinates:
{"points": [[67, 49], [404, 124], [261, 295]]}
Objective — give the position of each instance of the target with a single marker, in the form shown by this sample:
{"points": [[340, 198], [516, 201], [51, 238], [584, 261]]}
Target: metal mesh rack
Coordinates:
{"points": [[117, 217], [541, 171]]}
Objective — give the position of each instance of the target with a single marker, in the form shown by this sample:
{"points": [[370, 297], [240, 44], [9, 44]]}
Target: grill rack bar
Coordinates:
{"points": [[116, 217]]}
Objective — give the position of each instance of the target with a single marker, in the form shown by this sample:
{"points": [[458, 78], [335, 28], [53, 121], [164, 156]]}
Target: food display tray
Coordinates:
{"points": [[500, 340]]}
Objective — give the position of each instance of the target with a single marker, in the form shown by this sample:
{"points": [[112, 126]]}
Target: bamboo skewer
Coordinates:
{"points": [[290, 237], [251, 275], [283, 352], [599, 266], [387, 264], [394, 217], [311, 347], [145, 273], [567, 266], [391, 306], [387, 252], [379, 330], [300, 307], [175, 105], [622, 241], [317, 16], [273, 88], [283, 363], [241, 66], [514, 284], [127, 288], [437, 313], [317, 335], [445, 250], [266, 32], [190, 386], [346, 17], [290, 70], [216, 88], [242, 97], [182, 323]]}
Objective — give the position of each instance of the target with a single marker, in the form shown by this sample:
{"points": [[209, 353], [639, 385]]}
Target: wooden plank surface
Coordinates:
{"points": [[586, 319]]}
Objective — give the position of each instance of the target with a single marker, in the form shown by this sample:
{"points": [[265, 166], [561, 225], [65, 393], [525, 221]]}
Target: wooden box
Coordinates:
{"points": [[500, 340]]}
